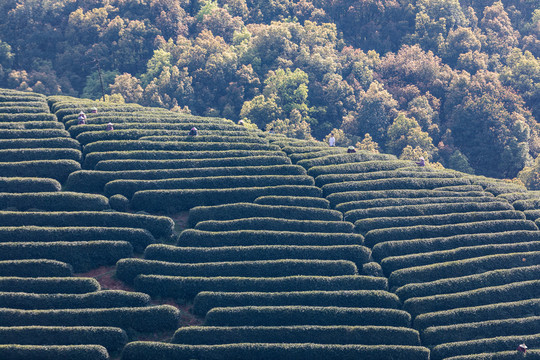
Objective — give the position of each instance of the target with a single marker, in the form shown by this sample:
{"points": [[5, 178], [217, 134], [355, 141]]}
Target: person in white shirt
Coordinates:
{"points": [[332, 140]]}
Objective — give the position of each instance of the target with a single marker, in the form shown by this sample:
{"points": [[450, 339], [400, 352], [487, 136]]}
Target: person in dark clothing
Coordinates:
{"points": [[110, 127], [81, 118], [421, 161], [193, 131], [351, 150]]}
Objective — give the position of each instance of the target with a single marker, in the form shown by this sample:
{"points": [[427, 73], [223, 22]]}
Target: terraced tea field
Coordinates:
{"points": [[290, 249]]}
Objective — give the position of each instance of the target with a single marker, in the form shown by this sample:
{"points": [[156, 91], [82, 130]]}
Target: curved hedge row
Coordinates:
{"points": [[497, 344], [304, 201], [27, 117], [244, 210], [204, 301], [355, 167], [394, 263], [165, 200], [54, 169], [388, 202], [528, 204], [326, 179], [348, 196], [27, 125], [111, 338], [92, 159], [98, 299], [463, 267], [28, 185], [391, 183], [65, 285], [305, 315], [144, 319], [53, 352], [194, 238], [35, 268], [163, 351], [470, 282], [158, 226], [18, 155], [128, 269], [32, 134], [355, 253], [127, 145], [188, 287], [365, 225], [57, 143], [426, 231], [366, 335], [511, 292], [295, 157], [213, 136], [417, 246], [82, 255], [275, 224], [129, 187], [125, 165], [480, 330], [149, 120], [361, 156], [94, 181]]}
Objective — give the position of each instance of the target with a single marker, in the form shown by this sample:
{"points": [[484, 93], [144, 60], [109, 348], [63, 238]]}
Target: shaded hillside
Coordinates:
{"points": [[292, 248]]}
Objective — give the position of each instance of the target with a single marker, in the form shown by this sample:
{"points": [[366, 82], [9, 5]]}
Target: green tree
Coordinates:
{"points": [[405, 131]]}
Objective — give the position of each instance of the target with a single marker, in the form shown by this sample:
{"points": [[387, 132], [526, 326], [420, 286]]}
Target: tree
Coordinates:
{"points": [[404, 132], [128, 86], [368, 144], [500, 35]]}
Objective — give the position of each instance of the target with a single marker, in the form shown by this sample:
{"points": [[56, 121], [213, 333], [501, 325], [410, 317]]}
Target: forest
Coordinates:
{"points": [[457, 82]]}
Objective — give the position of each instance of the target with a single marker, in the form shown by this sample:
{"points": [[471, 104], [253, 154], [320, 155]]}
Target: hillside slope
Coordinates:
{"points": [[293, 248]]}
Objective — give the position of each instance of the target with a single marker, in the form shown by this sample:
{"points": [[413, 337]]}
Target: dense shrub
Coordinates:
{"points": [[192, 237], [427, 231], [128, 269], [178, 200], [149, 120], [129, 187], [355, 167], [28, 185], [204, 301], [417, 246], [361, 156], [94, 181], [144, 319], [35, 268], [54, 201], [462, 268], [497, 189], [478, 330], [528, 204], [275, 224], [65, 285], [365, 225], [497, 344], [425, 210], [92, 159], [98, 299], [127, 145], [294, 149], [394, 263], [460, 188], [139, 238], [479, 297], [390, 183], [367, 335], [470, 282], [244, 210], [372, 268], [348, 196], [173, 127], [123, 165], [154, 350], [158, 226], [305, 315], [22, 109], [51, 352], [32, 134], [57, 143], [386, 202], [27, 117], [355, 253], [304, 201], [399, 173], [55, 169], [210, 136], [511, 197], [119, 203], [17, 155], [82, 255], [32, 125], [188, 287], [113, 339]]}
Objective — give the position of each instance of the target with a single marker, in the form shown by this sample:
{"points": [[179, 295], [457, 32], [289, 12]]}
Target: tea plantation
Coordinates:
{"points": [[291, 249]]}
